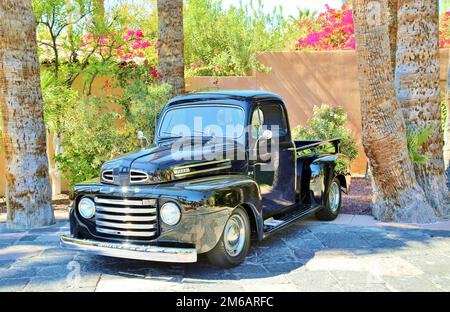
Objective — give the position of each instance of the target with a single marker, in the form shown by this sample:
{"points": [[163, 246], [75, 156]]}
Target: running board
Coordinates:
{"points": [[273, 225]]}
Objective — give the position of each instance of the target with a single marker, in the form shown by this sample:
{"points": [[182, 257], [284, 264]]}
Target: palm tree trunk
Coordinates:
{"points": [[393, 27], [447, 130], [28, 194], [419, 91], [397, 195], [171, 44]]}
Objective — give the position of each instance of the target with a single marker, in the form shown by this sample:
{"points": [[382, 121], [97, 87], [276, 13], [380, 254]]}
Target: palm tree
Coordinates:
{"points": [[28, 194], [397, 195], [419, 91], [171, 44], [447, 130], [393, 26]]}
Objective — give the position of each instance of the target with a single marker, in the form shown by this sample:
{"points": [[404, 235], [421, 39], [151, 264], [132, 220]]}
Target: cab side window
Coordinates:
{"points": [[257, 123], [274, 116]]}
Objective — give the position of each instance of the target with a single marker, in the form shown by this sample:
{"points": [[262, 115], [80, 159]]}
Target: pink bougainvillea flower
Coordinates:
{"points": [[139, 33], [155, 73], [130, 33], [145, 44]]}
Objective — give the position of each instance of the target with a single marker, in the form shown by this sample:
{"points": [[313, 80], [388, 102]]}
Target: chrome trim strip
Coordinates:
{"points": [[149, 253], [122, 202], [203, 171], [126, 233], [141, 173], [128, 226], [126, 210], [104, 216], [202, 164]]}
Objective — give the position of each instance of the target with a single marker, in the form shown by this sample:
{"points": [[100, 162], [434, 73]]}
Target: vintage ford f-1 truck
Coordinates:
{"points": [[171, 204]]}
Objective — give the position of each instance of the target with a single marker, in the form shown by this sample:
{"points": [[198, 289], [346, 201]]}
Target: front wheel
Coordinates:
{"points": [[234, 243], [332, 202]]}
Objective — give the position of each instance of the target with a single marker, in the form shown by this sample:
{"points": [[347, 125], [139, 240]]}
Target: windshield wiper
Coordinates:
{"points": [[171, 135]]}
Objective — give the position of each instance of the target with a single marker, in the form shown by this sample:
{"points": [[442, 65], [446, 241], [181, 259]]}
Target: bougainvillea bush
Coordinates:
{"points": [[444, 30], [334, 30]]}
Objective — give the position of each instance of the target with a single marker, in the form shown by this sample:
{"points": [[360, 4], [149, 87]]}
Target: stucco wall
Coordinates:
{"points": [[303, 79]]}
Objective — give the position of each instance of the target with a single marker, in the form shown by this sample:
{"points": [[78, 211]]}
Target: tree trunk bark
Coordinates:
{"points": [[171, 44], [419, 91], [393, 27], [397, 196], [28, 195], [447, 130]]}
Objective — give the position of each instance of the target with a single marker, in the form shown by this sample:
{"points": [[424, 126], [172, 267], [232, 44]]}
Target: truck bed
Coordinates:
{"points": [[305, 145]]}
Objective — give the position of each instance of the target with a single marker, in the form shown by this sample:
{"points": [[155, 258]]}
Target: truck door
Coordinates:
{"points": [[274, 166]]}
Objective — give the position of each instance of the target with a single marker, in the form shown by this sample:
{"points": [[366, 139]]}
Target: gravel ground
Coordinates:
{"points": [[358, 200]]}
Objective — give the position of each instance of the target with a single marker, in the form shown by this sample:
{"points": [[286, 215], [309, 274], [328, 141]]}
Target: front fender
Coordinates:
{"points": [[222, 195]]}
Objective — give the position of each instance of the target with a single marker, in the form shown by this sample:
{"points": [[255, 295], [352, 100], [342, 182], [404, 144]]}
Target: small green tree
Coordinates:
{"points": [[328, 123]]}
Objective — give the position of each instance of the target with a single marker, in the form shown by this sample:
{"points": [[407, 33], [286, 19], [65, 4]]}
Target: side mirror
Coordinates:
{"points": [[141, 137]]}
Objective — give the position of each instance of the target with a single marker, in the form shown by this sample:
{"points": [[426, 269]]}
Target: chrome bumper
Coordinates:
{"points": [[149, 253]]}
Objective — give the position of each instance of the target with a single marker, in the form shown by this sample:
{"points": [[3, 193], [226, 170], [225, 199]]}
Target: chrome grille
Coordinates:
{"points": [[136, 218], [137, 176], [107, 175]]}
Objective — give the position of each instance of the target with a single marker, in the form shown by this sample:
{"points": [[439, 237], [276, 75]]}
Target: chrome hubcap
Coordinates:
{"points": [[234, 235], [334, 197]]}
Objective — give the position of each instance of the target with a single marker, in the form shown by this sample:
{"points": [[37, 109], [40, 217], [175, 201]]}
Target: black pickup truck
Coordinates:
{"points": [[208, 189]]}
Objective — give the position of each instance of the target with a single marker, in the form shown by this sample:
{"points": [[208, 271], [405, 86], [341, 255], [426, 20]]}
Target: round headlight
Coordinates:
{"points": [[86, 207], [170, 213]]}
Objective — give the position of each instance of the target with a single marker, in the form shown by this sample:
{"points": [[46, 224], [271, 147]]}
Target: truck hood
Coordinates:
{"points": [[161, 164]]}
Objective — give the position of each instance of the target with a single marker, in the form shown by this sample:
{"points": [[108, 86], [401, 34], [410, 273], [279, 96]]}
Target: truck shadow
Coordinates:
{"points": [[284, 252]]}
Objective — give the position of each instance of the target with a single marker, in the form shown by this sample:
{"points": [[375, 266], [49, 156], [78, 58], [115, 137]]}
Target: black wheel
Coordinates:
{"points": [[234, 243], [332, 203]]}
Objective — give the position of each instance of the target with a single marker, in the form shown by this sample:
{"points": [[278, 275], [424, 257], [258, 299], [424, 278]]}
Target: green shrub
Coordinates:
{"points": [[90, 138], [329, 123], [93, 134], [224, 42]]}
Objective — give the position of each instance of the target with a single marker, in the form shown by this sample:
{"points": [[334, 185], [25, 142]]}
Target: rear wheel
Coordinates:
{"points": [[332, 203], [234, 243]]}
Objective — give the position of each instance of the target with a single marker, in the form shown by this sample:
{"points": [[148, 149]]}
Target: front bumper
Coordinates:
{"points": [[137, 252]]}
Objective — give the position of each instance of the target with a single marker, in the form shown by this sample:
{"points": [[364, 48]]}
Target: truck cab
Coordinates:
{"points": [[223, 170]]}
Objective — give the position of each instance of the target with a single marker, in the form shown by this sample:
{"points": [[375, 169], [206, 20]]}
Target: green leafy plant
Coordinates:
{"points": [[416, 138], [225, 42], [95, 134], [327, 123]]}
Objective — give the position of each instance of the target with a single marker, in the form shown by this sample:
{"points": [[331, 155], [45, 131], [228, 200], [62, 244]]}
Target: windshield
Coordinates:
{"points": [[216, 121]]}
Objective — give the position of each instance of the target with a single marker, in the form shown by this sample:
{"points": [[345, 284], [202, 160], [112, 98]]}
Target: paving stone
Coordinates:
{"points": [[5, 264], [48, 283], [342, 240], [286, 267], [411, 284], [307, 281], [119, 284], [13, 284], [18, 272]]}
